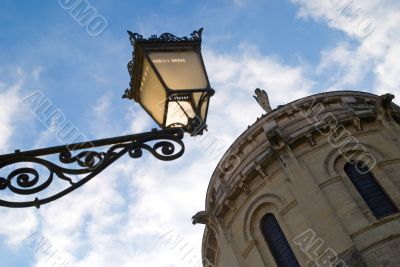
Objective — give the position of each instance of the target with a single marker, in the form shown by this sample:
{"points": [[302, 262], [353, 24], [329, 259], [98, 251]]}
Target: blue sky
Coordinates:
{"points": [[130, 214]]}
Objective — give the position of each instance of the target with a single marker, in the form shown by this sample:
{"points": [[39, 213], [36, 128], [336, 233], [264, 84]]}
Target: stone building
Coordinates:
{"points": [[315, 182]]}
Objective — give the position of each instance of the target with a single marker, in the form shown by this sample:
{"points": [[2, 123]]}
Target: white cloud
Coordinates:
{"points": [[371, 60], [128, 215], [236, 76], [138, 123], [15, 224], [9, 103]]}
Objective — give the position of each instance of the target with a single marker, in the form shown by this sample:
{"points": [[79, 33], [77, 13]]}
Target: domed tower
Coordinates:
{"points": [[315, 182]]}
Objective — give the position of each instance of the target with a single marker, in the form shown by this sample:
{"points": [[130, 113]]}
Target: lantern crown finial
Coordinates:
{"points": [[165, 37]]}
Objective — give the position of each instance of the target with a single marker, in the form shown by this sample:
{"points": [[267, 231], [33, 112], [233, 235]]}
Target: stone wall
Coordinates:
{"points": [[290, 163]]}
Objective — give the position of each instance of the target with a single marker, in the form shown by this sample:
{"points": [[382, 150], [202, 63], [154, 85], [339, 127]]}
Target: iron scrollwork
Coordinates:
{"points": [[27, 180], [165, 37]]}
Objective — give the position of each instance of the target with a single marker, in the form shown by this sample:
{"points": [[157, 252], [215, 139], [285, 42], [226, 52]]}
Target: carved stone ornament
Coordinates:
{"points": [[262, 99], [383, 107], [201, 217]]}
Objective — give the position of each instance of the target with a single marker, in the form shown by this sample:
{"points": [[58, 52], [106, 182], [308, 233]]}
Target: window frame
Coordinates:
{"points": [[284, 236], [362, 197]]}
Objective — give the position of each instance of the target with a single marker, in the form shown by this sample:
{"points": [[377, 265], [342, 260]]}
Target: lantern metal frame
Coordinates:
{"points": [[33, 172], [168, 42]]}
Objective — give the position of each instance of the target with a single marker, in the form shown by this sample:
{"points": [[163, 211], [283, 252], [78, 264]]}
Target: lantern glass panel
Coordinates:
{"points": [[180, 70], [152, 93], [178, 113], [204, 108], [201, 100], [196, 98]]}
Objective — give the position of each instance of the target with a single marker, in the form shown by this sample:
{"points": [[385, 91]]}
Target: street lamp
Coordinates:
{"points": [[168, 79]]}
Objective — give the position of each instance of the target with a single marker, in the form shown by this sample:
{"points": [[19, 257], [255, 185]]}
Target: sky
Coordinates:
{"points": [[138, 211]]}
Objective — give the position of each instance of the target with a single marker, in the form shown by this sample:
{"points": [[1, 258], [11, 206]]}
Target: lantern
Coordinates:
{"points": [[169, 80]]}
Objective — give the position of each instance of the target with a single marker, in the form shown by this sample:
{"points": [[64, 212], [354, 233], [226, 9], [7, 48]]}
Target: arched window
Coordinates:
{"points": [[277, 242], [372, 193]]}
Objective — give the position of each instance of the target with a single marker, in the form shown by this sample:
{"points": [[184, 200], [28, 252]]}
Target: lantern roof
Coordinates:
{"points": [[168, 41]]}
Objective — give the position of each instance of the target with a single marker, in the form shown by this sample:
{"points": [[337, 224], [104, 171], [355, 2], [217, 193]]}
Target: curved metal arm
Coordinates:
{"points": [[28, 180]]}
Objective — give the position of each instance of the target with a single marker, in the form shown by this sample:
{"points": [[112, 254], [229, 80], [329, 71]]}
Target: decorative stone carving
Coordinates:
{"points": [[383, 107], [201, 217], [357, 123], [245, 188], [230, 204], [311, 139], [275, 136], [262, 99], [262, 172], [278, 143]]}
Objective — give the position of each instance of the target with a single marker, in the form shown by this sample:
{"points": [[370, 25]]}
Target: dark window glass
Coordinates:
{"points": [[277, 242], [372, 193]]}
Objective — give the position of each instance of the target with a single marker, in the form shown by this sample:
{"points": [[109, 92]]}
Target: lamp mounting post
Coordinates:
{"points": [[168, 79]]}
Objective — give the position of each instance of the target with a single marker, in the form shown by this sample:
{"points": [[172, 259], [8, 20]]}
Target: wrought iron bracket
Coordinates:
{"points": [[38, 173]]}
